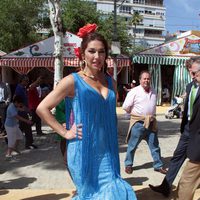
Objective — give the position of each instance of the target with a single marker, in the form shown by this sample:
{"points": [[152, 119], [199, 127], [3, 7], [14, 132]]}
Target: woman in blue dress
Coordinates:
{"points": [[93, 156]]}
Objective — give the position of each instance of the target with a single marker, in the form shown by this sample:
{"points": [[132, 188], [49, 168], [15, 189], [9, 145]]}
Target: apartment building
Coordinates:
{"points": [[149, 32]]}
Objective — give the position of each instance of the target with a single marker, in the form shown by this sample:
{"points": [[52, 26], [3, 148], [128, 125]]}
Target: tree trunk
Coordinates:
{"points": [[134, 35], [55, 18]]}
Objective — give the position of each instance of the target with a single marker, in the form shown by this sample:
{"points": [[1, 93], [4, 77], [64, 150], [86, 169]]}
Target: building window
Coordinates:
{"points": [[137, 10], [139, 1], [149, 12], [125, 9]]}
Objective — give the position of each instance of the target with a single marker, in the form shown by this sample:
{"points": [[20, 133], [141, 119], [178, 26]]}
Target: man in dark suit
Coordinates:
{"points": [[190, 178], [180, 154]]}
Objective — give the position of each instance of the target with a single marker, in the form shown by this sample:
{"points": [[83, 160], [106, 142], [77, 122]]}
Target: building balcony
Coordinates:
{"points": [[154, 4], [154, 36]]}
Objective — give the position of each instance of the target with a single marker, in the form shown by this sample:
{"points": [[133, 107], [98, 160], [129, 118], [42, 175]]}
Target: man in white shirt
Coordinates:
{"points": [[140, 102]]}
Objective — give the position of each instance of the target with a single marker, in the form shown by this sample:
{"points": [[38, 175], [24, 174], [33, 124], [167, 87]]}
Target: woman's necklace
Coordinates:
{"points": [[89, 76]]}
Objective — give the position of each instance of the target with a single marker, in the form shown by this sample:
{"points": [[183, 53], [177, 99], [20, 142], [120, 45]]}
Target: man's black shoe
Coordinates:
{"points": [[164, 188]]}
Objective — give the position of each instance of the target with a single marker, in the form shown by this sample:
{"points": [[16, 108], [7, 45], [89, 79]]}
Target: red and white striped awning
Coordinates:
{"points": [[25, 65]]}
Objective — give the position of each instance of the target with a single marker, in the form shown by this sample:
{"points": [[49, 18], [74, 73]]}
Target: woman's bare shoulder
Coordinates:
{"points": [[66, 86], [67, 80]]}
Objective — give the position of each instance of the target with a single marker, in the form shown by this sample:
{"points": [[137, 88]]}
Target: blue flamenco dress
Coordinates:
{"points": [[93, 162]]}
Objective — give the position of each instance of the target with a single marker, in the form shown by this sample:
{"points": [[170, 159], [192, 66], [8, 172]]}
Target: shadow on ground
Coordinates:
{"points": [[48, 197], [147, 165], [147, 193], [46, 143], [133, 181], [22, 182]]}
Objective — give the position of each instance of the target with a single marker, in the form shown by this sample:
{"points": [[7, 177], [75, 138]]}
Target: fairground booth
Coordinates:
{"points": [[38, 59], [166, 63]]}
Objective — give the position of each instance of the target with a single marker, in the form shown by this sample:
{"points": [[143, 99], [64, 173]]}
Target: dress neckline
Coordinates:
{"points": [[94, 89]]}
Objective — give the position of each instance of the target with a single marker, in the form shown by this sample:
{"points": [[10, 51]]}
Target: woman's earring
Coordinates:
{"points": [[83, 64]]}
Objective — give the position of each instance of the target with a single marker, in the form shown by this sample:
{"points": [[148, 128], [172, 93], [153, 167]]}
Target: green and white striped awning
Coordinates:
{"points": [[162, 60]]}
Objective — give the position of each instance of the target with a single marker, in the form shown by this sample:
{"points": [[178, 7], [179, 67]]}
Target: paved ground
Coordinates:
{"points": [[41, 175]]}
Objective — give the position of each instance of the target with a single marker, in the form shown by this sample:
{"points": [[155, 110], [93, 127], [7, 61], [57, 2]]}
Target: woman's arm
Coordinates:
{"points": [[63, 89]]}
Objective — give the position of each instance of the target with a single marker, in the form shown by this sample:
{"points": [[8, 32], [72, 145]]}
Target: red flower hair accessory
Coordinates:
{"points": [[89, 28], [77, 52]]}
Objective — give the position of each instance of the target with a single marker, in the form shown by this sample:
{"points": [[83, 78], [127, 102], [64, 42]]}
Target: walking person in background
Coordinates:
{"points": [[33, 102], [179, 155], [14, 133], [165, 94], [132, 85], [5, 99], [140, 102], [21, 90], [93, 156], [61, 118], [190, 178]]}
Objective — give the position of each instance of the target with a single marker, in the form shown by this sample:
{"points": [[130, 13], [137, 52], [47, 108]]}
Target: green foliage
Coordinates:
{"points": [[137, 49], [78, 13], [136, 18], [18, 20]]}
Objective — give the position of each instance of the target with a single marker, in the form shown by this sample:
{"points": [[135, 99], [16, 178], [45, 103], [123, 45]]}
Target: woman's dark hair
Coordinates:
{"points": [[91, 37]]}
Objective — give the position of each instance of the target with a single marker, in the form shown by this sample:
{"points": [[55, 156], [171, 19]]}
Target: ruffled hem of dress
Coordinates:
{"points": [[116, 190]]}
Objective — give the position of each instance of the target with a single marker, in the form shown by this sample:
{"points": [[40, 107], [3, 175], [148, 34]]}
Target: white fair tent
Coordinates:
{"points": [[40, 54]]}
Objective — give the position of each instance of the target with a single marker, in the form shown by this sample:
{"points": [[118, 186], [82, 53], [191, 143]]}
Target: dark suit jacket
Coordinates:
{"points": [[193, 150], [185, 115]]}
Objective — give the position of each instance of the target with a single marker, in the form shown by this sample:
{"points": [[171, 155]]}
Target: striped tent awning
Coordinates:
{"points": [[25, 65], [158, 59]]}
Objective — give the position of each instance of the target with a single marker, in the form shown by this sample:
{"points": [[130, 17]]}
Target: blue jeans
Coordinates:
{"points": [[179, 156], [138, 132]]}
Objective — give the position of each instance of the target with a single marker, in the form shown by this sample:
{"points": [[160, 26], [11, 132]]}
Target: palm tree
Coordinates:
{"points": [[136, 19]]}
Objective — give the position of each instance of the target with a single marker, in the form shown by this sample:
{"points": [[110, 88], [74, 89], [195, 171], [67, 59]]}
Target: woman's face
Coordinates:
{"points": [[95, 55]]}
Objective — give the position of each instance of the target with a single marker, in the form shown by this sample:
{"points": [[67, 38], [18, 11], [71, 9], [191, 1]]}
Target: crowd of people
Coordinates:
{"points": [[18, 113], [86, 123]]}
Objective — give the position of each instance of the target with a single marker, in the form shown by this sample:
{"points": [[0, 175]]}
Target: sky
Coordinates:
{"points": [[182, 15]]}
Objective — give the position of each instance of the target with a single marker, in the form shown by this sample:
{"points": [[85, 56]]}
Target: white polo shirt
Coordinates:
{"points": [[140, 102]]}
